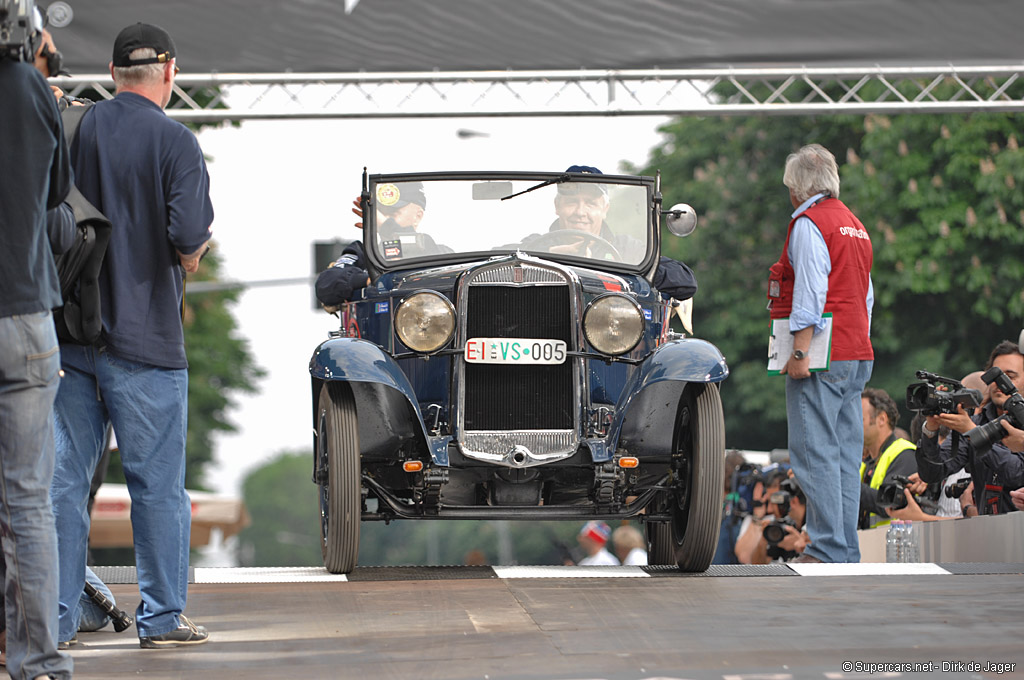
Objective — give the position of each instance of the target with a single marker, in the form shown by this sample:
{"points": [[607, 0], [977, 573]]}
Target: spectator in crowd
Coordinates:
{"points": [[1017, 497], [629, 545], [786, 514], [749, 541], [592, 539], [37, 178], [885, 454], [732, 510], [996, 470], [825, 268], [147, 174]]}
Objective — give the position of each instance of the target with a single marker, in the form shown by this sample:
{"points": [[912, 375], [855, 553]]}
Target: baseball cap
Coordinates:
{"points": [[394, 196], [143, 35], [575, 188], [596, 531]]}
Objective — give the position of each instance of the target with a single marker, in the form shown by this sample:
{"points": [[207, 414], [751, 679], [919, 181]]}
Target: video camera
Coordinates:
{"points": [[21, 29], [930, 401], [890, 495], [984, 436]]}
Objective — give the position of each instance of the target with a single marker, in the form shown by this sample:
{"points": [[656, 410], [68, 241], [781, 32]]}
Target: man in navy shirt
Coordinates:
{"points": [[146, 173], [37, 176]]}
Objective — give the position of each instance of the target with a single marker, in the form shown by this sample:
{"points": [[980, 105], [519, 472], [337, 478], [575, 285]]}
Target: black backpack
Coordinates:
{"points": [[79, 320]]}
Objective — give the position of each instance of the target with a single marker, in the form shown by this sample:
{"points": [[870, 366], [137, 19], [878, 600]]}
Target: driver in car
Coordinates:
{"points": [[582, 206]]}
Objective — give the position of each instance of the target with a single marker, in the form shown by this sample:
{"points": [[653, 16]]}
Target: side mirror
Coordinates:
{"points": [[680, 219]]}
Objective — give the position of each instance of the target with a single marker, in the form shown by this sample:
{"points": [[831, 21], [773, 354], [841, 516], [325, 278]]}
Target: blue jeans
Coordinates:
{"points": [[826, 441], [93, 618], [147, 407], [29, 366]]}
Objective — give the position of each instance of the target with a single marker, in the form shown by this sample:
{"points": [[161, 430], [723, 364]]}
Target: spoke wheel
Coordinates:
{"points": [[338, 478], [696, 505]]}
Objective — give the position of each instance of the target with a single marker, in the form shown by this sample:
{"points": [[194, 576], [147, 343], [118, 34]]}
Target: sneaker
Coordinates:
{"points": [[63, 646], [187, 633]]}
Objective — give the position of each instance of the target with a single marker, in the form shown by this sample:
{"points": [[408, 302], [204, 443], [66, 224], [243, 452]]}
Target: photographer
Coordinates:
{"points": [[750, 545], [886, 456], [781, 535], [995, 470]]}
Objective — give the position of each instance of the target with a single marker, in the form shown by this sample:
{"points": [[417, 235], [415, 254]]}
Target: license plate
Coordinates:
{"points": [[524, 351]]}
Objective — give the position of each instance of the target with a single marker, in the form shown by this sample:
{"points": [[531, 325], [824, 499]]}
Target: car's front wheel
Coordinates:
{"points": [[696, 503], [338, 477]]}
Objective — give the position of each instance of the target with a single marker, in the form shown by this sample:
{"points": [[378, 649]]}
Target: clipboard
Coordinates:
{"points": [[780, 346]]}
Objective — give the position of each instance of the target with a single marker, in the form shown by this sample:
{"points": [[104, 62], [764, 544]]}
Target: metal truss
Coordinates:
{"points": [[764, 91]]}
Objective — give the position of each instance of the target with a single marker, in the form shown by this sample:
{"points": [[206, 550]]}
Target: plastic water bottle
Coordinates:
{"points": [[890, 541], [901, 541], [913, 552]]}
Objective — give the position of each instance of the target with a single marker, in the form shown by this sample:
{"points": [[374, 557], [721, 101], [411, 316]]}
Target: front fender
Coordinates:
{"points": [[645, 415], [379, 384]]}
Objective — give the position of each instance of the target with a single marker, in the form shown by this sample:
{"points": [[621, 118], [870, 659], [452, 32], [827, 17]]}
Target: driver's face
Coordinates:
{"points": [[583, 211]]}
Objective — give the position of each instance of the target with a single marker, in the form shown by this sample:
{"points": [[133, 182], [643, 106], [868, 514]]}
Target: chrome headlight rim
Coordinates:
{"points": [[590, 336], [425, 295]]}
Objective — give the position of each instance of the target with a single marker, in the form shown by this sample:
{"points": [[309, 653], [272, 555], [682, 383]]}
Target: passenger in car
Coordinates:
{"points": [[400, 209]]}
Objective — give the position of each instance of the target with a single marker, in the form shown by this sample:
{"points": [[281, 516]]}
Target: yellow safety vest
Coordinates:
{"points": [[884, 461]]}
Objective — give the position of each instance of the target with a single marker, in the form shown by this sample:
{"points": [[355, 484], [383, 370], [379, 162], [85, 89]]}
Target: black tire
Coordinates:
{"points": [[659, 543], [337, 463], [697, 514]]}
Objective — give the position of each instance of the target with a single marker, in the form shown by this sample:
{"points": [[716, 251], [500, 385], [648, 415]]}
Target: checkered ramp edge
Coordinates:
{"points": [[119, 575]]}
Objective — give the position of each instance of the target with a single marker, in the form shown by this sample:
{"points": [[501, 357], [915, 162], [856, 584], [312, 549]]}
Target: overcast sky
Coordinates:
{"points": [[278, 186]]}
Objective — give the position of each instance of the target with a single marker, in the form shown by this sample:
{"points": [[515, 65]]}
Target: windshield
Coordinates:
{"points": [[606, 221]]}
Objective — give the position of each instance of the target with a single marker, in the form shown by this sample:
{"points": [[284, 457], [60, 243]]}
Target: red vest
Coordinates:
{"points": [[849, 247]]}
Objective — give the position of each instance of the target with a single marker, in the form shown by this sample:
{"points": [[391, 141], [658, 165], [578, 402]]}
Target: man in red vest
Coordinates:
{"points": [[825, 269]]}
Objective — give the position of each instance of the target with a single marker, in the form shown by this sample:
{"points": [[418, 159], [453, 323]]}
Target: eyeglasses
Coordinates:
{"points": [[176, 70]]}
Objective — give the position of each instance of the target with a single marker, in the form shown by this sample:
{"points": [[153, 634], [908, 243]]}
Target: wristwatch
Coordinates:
{"points": [[799, 354]]}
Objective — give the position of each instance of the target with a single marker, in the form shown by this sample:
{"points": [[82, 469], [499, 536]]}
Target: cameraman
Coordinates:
{"points": [[885, 455], [750, 545], [995, 471], [780, 535]]}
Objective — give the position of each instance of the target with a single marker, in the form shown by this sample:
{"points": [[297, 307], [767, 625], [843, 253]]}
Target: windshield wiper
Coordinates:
{"points": [[561, 179]]}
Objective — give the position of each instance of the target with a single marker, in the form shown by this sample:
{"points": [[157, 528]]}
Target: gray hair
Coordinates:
{"points": [[140, 74], [811, 170]]}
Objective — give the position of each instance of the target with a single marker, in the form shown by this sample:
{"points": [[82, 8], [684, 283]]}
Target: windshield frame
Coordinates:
{"points": [[380, 265]]}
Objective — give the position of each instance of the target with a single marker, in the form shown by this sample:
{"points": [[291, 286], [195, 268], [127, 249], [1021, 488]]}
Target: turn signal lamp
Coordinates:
{"points": [[629, 462], [412, 466]]}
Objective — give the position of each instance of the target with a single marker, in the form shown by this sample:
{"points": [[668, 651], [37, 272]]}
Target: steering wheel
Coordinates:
{"points": [[600, 248]]}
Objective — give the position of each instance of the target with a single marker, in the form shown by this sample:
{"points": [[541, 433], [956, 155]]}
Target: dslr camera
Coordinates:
{"points": [[984, 436], [957, 488], [931, 401], [21, 29], [890, 495], [775, 530]]}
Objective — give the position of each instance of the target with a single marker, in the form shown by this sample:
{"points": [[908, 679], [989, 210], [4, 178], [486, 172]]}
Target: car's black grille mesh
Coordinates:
{"points": [[515, 397]]}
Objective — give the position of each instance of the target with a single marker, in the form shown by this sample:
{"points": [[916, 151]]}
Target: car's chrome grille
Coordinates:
{"points": [[518, 274], [516, 397], [519, 449]]}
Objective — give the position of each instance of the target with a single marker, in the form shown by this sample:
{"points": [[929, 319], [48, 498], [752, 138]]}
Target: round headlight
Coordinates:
{"points": [[613, 324], [425, 321]]}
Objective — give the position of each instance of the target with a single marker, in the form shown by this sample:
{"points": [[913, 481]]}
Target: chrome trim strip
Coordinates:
{"points": [[519, 448]]}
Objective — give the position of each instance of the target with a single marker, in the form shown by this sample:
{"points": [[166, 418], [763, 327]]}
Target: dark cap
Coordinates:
{"points": [[394, 196], [142, 35], [574, 188]]}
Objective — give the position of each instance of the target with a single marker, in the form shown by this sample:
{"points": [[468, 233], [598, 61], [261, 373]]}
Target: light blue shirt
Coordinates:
{"points": [[812, 264]]}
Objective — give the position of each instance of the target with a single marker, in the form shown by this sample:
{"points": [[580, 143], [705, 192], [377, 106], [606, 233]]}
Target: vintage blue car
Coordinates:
{"points": [[511, 359]]}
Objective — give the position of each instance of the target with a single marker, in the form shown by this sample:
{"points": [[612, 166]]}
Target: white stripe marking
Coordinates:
{"points": [[265, 575], [868, 569], [570, 572]]}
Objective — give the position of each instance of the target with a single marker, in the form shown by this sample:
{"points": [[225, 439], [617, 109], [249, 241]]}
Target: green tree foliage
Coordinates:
{"points": [[282, 502], [938, 193]]}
